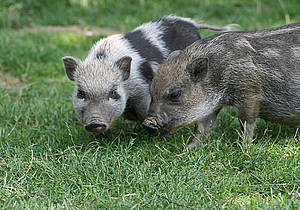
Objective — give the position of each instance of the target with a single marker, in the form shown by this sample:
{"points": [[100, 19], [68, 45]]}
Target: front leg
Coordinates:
{"points": [[248, 126], [202, 129], [248, 113]]}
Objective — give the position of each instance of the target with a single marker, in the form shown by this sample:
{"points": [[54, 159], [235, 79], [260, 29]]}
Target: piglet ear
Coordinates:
{"points": [[124, 64], [198, 69], [174, 54], [70, 64]]}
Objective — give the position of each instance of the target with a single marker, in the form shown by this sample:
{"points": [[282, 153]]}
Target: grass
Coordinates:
{"points": [[47, 160]]}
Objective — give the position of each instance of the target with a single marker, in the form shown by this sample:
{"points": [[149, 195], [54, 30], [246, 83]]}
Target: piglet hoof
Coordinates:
{"points": [[193, 144]]}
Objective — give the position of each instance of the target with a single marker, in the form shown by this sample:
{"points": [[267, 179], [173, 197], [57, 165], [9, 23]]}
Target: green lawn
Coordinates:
{"points": [[48, 160]]}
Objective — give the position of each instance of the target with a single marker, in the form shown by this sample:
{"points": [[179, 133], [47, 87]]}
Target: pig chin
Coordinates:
{"points": [[169, 129], [176, 124]]}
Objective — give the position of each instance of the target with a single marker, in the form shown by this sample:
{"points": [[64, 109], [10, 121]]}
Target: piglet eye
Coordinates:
{"points": [[175, 95], [81, 94], [114, 94]]}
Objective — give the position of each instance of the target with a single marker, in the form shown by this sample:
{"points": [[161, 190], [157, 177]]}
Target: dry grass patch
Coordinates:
{"points": [[10, 82], [82, 30]]}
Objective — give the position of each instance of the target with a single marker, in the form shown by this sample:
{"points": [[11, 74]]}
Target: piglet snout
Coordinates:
{"points": [[154, 123], [151, 124], [95, 125]]}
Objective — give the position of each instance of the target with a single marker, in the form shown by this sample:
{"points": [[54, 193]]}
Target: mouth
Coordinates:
{"points": [[96, 126]]}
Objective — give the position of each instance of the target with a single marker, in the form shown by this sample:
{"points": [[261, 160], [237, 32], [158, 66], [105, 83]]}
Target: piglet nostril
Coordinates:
{"points": [[95, 127], [151, 124]]}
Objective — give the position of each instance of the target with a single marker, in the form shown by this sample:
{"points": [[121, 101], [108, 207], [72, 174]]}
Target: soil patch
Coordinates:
{"points": [[10, 82], [83, 30]]}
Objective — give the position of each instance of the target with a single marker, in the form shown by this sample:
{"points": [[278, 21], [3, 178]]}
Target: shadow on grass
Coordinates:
{"points": [[227, 132]]}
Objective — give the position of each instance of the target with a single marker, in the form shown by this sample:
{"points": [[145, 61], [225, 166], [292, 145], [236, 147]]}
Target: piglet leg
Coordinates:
{"points": [[202, 129], [248, 113]]}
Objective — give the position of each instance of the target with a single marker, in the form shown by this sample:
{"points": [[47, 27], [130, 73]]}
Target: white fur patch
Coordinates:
{"points": [[114, 48], [153, 32], [244, 43], [189, 20], [296, 52], [269, 52], [154, 65], [207, 107], [201, 110], [264, 33], [285, 30]]}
